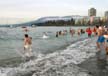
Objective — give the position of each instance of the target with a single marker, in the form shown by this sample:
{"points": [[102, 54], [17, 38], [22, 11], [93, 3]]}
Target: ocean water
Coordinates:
{"points": [[53, 56]]}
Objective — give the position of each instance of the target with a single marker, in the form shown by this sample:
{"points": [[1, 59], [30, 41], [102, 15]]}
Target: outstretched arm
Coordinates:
{"points": [[106, 36]]}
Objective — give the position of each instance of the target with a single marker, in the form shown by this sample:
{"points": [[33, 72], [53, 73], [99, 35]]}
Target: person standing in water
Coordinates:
{"points": [[89, 32], [101, 39], [27, 46], [57, 34]]}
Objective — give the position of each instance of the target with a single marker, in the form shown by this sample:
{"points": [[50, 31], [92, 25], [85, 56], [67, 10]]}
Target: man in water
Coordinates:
{"points": [[27, 46], [101, 39]]}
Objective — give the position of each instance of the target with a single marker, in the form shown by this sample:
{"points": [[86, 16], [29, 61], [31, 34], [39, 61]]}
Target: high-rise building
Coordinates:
{"points": [[92, 12], [106, 14]]}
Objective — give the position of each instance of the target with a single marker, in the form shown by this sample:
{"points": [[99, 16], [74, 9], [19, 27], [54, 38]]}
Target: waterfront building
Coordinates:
{"points": [[92, 12]]}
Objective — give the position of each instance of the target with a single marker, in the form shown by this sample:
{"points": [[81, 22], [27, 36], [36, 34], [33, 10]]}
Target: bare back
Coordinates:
{"points": [[27, 41]]}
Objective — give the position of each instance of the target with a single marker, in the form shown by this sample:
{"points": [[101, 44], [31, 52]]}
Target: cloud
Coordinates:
{"points": [[39, 8]]}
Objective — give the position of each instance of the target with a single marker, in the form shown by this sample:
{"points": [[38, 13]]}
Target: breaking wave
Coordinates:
{"points": [[60, 63]]}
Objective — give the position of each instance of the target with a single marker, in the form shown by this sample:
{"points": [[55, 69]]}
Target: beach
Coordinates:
{"points": [[62, 56]]}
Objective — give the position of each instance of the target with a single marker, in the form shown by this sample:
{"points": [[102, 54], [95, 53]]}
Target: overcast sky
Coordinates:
{"points": [[40, 8]]}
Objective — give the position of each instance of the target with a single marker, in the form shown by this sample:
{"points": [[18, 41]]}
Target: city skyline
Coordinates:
{"points": [[34, 9]]}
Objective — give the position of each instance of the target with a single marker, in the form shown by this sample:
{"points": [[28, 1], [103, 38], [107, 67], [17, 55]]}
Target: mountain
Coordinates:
{"points": [[44, 19]]}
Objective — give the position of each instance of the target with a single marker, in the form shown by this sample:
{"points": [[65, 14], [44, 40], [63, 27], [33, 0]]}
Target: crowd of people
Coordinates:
{"points": [[100, 32], [73, 31]]}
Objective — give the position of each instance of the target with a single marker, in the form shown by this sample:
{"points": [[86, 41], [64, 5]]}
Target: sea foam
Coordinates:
{"points": [[60, 63]]}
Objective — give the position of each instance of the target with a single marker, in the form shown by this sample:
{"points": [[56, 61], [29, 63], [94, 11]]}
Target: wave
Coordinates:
{"points": [[59, 63]]}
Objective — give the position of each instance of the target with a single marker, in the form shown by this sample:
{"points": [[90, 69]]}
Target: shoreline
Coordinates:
{"points": [[96, 66]]}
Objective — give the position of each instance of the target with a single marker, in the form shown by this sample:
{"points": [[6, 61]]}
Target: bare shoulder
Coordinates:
{"points": [[106, 36]]}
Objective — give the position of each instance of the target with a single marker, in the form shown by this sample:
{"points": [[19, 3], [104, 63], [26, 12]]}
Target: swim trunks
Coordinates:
{"points": [[101, 39], [28, 52]]}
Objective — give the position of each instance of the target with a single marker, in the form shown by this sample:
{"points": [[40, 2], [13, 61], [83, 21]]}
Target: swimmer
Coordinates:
{"points": [[27, 45]]}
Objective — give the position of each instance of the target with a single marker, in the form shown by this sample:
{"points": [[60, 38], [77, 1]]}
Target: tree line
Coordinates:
{"points": [[73, 22]]}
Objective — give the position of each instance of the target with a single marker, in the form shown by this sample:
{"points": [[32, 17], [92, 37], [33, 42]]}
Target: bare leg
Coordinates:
{"points": [[106, 48], [98, 45], [104, 45]]}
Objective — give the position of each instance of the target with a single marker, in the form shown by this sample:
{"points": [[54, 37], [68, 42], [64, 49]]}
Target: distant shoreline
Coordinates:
{"points": [[9, 26]]}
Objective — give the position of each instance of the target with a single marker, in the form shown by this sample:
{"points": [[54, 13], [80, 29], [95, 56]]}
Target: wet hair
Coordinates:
{"points": [[26, 35], [97, 26]]}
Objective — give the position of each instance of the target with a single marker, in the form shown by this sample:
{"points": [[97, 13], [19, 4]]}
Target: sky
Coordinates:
{"points": [[34, 9]]}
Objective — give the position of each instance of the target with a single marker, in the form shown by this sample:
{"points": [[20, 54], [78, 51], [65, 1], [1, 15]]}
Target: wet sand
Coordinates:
{"points": [[96, 66]]}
